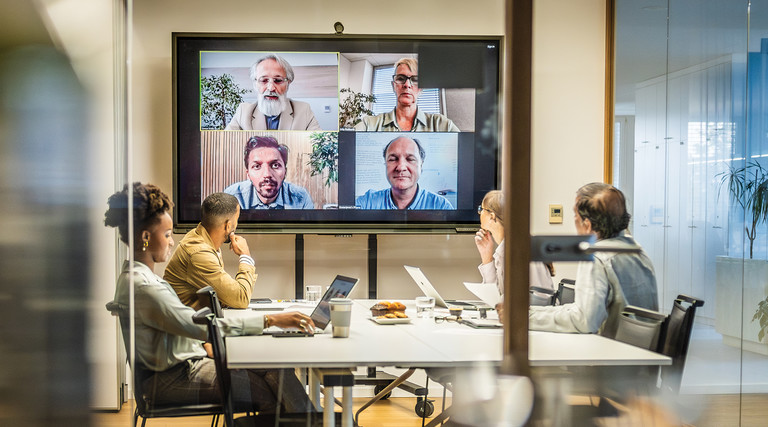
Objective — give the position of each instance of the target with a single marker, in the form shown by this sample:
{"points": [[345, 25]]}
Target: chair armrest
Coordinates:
{"points": [[642, 312], [201, 317], [690, 300], [542, 290]]}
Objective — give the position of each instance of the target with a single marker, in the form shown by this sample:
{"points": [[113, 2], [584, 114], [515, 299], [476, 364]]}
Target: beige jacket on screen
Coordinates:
{"points": [[297, 116], [196, 264]]}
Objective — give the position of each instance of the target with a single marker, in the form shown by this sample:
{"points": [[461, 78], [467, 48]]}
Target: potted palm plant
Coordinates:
{"points": [[747, 187]]}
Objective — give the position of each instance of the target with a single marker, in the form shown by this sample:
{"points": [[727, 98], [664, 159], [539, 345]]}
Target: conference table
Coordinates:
{"points": [[422, 343]]}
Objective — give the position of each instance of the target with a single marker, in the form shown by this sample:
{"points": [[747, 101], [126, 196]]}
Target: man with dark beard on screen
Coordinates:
{"points": [[272, 76], [266, 188]]}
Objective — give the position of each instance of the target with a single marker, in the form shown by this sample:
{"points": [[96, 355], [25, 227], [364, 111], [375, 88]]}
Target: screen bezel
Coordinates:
{"points": [[380, 222]]}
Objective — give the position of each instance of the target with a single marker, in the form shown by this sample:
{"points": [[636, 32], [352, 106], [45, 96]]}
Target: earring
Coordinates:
{"points": [[145, 246]]}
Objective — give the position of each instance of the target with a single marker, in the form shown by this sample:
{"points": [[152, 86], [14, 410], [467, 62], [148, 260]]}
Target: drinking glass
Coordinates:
{"points": [[425, 307], [312, 293]]}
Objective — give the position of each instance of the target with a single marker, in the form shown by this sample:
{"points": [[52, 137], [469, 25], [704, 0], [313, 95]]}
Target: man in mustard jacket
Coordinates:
{"points": [[197, 261]]}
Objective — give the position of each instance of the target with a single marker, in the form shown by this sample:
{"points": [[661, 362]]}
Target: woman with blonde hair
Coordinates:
{"points": [[406, 116], [491, 234]]}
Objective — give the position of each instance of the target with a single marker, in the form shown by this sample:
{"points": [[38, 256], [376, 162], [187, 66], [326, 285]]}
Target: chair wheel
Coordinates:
{"points": [[378, 389], [424, 408]]}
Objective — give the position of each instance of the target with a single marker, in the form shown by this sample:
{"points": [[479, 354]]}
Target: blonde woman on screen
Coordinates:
{"points": [[406, 116]]}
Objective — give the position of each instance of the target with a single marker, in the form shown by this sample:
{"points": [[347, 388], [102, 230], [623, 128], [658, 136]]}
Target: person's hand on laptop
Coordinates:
{"points": [[500, 311], [292, 319]]}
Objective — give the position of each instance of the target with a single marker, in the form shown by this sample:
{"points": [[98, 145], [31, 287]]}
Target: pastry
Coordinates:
{"points": [[380, 309]]}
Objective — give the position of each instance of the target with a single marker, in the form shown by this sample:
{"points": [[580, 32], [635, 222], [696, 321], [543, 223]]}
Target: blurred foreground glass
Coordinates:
{"points": [[44, 267]]}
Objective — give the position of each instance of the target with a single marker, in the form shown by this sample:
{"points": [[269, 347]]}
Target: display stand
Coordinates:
{"points": [[372, 266]]}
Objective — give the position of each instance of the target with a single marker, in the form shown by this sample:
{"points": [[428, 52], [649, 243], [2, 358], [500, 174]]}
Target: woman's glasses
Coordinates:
{"points": [[480, 209], [402, 78]]}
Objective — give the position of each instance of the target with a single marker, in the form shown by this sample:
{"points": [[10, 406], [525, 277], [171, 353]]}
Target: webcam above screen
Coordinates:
{"points": [[307, 131]]}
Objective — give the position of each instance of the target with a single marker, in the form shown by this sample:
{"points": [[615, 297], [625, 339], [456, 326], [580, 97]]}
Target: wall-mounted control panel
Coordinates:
{"points": [[555, 214]]}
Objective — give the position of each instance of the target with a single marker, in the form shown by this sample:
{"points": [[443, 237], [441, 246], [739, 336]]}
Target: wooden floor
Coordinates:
{"points": [[393, 412], [747, 410]]}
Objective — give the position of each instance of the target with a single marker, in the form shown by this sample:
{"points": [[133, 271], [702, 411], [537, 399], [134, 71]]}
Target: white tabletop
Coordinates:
{"points": [[423, 343]]}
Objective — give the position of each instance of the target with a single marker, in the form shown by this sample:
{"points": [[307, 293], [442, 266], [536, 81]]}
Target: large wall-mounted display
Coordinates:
{"points": [[339, 134]]}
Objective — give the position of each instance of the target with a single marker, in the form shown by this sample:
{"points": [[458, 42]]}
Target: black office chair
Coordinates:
{"points": [[147, 409], [669, 335], [672, 339], [204, 316], [675, 340], [640, 327], [564, 294], [207, 298], [566, 291]]}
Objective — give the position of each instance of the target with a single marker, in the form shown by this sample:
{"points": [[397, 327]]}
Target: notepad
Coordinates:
{"points": [[487, 292], [482, 323]]}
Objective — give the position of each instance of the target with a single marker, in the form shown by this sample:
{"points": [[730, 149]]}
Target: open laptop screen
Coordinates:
{"points": [[340, 288]]}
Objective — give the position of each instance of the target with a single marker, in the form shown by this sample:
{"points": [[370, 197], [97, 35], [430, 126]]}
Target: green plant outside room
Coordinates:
{"points": [[748, 188]]}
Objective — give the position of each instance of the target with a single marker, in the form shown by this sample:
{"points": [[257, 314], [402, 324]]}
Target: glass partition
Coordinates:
{"points": [[689, 151]]}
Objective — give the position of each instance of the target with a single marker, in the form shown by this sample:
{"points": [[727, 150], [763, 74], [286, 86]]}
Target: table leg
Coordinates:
{"points": [[329, 418], [346, 407], [314, 387]]}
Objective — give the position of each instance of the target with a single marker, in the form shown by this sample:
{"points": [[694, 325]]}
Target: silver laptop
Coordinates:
{"points": [[430, 291]]}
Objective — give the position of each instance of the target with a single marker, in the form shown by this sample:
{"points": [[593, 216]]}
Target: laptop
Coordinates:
{"points": [[430, 291], [321, 315], [340, 288]]}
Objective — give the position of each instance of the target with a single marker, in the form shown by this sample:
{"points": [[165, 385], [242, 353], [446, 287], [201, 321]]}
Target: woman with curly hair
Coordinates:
{"points": [[172, 365]]}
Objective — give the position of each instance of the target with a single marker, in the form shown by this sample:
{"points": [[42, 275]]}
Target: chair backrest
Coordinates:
{"points": [[640, 327], [566, 291], [541, 296], [140, 373], [205, 316], [675, 339], [208, 298]]}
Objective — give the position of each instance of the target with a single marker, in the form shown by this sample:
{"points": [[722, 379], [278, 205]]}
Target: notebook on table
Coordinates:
{"points": [[424, 284]]}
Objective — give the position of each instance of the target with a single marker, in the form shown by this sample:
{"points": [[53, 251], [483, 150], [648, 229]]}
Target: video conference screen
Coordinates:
{"points": [[336, 134]]}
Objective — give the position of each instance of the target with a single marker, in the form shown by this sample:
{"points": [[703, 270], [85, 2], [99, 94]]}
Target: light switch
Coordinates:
{"points": [[555, 214]]}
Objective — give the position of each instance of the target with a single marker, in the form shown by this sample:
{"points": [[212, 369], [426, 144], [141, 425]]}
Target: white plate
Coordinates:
{"points": [[390, 321]]}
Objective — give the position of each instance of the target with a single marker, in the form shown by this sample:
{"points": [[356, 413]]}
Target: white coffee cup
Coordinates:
{"points": [[341, 316]]}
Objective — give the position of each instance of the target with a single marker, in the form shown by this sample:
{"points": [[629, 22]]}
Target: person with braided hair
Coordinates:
{"points": [[610, 282], [172, 365]]}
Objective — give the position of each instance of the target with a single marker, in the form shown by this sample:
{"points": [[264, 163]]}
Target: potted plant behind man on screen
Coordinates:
{"points": [[324, 158], [747, 187], [219, 98]]}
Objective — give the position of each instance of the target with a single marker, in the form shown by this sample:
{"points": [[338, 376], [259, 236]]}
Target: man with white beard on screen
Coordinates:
{"points": [[273, 110]]}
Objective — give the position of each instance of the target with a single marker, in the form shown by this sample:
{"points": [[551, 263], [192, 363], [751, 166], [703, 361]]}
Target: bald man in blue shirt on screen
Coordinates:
{"points": [[404, 158]]}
